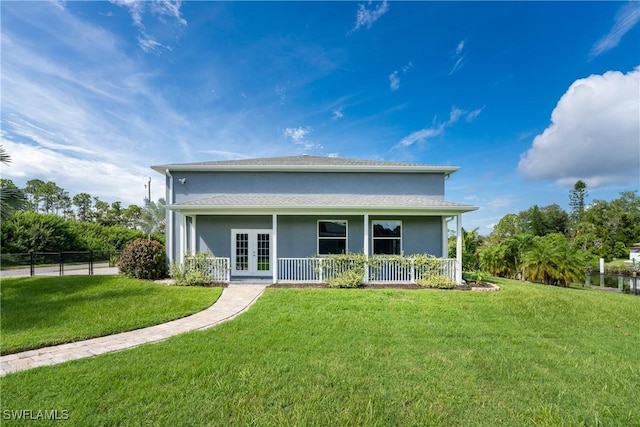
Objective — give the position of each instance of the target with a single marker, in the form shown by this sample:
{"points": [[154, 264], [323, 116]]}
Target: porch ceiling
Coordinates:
{"points": [[314, 203]]}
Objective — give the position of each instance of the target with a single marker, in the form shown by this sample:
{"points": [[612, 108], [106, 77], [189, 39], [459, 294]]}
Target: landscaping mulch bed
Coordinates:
{"points": [[471, 286]]}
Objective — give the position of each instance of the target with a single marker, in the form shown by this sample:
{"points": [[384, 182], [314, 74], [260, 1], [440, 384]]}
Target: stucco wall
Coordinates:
{"points": [[297, 235], [214, 232], [199, 185]]}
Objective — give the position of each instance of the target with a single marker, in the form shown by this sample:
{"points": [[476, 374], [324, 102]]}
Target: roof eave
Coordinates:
{"points": [[310, 210], [447, 170]]}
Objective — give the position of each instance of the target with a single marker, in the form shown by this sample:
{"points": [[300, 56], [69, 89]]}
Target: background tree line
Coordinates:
{"points": [[549, 245], [43, 217]]}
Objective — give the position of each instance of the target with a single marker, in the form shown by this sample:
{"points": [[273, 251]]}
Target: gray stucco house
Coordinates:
{"points": [[270, 217]]}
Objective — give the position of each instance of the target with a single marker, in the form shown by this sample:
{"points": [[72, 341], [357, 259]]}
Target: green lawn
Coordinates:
{"points": [[528, 355], [41, 311]]}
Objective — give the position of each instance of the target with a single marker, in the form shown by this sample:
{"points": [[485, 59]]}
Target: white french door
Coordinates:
{"points": [[251, 252]]}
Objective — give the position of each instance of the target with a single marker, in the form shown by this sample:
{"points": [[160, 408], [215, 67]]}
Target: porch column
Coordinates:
{"points": [[445, 238], [366, 246], [274, 250], [459, 248], [182, 239], [194, 235]]}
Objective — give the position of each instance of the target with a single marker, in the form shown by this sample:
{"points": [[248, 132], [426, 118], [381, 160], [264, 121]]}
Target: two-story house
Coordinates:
{"points": [[268, 215]]}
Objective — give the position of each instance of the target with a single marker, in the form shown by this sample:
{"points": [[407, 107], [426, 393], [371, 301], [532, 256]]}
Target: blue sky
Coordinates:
{"points": [[526, 97]]}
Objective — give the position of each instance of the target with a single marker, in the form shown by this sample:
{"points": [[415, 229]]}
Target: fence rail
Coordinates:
{"points": [[218, 268], [56, 263], [627, 281], [393, 270]]}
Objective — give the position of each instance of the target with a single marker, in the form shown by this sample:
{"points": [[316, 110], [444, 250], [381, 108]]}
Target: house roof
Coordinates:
{"points": [[321, 203], [305, 163]]}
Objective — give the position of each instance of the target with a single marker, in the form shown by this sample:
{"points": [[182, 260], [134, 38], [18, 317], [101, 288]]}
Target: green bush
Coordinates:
{"points": [[29, 231], [143, 259], [436, 281], [97, 237], [347, 270], [195, 271]]}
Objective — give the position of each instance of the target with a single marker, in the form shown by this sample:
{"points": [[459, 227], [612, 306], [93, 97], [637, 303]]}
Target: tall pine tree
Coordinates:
{"points": [[577, 198]]}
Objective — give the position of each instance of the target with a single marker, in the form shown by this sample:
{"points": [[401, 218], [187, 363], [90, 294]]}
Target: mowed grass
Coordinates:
{"points": [[41, 311], [528, 355]]}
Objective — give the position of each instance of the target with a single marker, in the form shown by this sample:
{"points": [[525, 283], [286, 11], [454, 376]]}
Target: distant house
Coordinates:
{"points": [[634, 252], [272, 216]]}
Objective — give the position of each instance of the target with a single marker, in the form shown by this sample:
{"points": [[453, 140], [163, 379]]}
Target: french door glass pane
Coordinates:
{"points": [[242, 251], [263, 252]]}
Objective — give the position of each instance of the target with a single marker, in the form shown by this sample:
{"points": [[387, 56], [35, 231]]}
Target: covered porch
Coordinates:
{"points": [[287, 237], [316, 270], [287, 248]]}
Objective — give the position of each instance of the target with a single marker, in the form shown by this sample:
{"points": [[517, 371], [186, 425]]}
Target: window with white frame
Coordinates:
{"points": [[387, 237], [332, 237]]}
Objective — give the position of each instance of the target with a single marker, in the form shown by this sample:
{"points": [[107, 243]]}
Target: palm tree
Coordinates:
{"points": [[11, 197], [541, 261], [552, 260], [493, 260], [153, 217], [515, 249]]}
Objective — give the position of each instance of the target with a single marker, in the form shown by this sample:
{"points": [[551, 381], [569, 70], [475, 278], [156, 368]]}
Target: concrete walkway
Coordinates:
{"points": [[234, 300]]}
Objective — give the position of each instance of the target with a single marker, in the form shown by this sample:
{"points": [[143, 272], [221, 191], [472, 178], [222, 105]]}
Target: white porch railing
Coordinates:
{"points": [[446, 267], [300, 270], [219, 268], [393, 270]]}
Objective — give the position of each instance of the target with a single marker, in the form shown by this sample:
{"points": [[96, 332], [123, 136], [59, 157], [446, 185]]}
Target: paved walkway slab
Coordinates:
{"points": [[234, 300]]}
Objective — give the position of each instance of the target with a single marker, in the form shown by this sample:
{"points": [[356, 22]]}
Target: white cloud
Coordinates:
{"points": [[438, 129], [281, 92], [159, 8], [459, 57], [394, 78], [136, 9], [454, 115], [366, 17], [297, 134], [594, 134], [472, 115], [107, 180], [88, 121], [299, 137], [500, 202], [148, 44], [626, 18], [168, 8], [394, 81], [421, 135]]}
